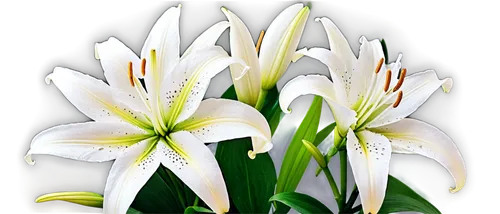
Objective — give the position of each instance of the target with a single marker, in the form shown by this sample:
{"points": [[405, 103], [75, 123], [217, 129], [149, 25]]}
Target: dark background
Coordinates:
{"points": [[445, 27]]}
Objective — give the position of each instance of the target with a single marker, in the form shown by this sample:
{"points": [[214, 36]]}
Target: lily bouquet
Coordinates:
{"points": [[151, 118]]}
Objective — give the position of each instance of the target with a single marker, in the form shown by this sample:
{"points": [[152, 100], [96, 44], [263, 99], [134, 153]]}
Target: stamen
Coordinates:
{"points": [[259, 41], [379, 65], [131, 74], [388, 75], [398, 100], [143, 67], [400, 81]]}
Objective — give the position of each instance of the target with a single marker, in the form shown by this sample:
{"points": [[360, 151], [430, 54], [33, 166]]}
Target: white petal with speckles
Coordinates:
{"points": [[129, 173], [188, 158], [90, 141], [410, 136], [369, 157], [184, 88], [220, 119], [95, 98]]}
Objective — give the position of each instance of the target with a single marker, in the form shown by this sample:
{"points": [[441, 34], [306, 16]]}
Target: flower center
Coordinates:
{"points": [[381, 96], [141, 91]]}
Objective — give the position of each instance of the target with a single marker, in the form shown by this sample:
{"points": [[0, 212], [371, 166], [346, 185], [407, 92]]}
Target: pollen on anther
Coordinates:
{"points": [[259, 41], [379, 65], [143, 67], [400, 81], [398, 100], [131, 74], [388, 75]]}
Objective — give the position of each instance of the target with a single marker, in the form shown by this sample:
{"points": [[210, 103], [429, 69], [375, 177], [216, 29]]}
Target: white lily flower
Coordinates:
{"points": [[278, 47], [370, 102], [168, 123]]}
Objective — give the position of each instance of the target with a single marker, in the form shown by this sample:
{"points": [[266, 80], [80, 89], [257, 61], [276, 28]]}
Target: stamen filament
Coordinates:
{"points": [[398, 100], [388, 75], [400, 81], [259, 41], [379, 65], [131, 74], [143, 67]]}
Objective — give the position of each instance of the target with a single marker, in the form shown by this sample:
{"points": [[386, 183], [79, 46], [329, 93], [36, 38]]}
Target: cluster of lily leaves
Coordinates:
{"points": [[254, 186]]}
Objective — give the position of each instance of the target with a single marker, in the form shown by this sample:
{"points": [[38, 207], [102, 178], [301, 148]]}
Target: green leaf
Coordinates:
{"points": [[133, 211], [384, 48], [249, 182], [403, 197], [197, 209], [321, 136], [297, 157], [302, 203], [158, 195]]}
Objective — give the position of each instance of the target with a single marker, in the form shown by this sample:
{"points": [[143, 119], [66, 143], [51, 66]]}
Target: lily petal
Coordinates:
{"points": [[416, 88], [338, 43], [207, 38], [90, 141], [364, 78], [321, 86], [280, 42], [186, 85], [129, 173], [220, 119], [369, 158], [115, 57], [246, 83], [338, 68], [165, 40], [410, 136], [188, 158], [95, 98]]}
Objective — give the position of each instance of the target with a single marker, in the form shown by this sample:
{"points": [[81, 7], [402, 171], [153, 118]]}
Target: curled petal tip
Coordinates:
{"points": [[224, 9], [28, 159], [454, 189], [96, 51], [179, 6], [447, 85], [288, 110], [251, 154], [48, 79]]}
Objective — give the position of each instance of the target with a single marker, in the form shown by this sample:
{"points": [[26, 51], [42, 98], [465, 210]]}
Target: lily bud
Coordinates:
{"points": [[83, 198], [315, 153]]}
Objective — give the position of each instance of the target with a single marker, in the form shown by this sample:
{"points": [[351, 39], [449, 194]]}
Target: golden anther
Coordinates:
{"points": [[388, 75], [398, 100], [400, 81], [143, 67], [131, 74], [259, 41], [379, 65]]}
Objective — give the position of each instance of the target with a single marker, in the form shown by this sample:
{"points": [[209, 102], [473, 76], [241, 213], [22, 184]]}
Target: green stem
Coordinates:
{"points": [[343, 174], [261, 99], [353, 197], [334, 187], [196, 201]]}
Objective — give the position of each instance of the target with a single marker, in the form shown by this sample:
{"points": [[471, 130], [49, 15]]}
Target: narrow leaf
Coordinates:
{"points": [[197, 209], [297, 157], [323, 134], [302, 203], [133, 211]]}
